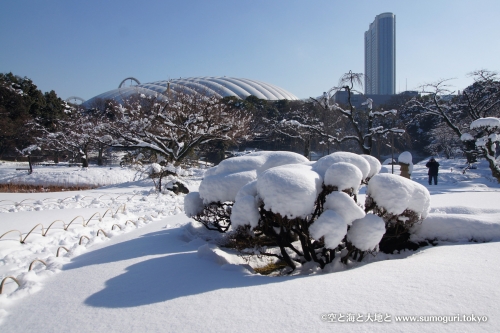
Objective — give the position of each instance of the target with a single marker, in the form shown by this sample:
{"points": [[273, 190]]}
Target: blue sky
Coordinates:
{"points": [[85, 48]]}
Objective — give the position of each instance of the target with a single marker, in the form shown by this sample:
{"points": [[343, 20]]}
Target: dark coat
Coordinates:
{"points": [[433, 168]]}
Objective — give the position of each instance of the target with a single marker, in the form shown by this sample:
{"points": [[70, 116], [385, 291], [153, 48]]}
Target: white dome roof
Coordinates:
{"points": [[212, 85]]}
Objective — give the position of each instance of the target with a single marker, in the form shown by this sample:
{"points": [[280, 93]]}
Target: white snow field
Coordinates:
{"points": [[153, 274]]}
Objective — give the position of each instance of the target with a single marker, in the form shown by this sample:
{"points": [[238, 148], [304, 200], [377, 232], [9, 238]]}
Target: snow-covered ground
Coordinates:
{"points": [[63, 175], [146, 270]]}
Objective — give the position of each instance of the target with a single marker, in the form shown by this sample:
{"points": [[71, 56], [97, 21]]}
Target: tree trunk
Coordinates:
{"points": [[84, 159], [470, 147], [307, 147], [489, 153], [99, 156]]}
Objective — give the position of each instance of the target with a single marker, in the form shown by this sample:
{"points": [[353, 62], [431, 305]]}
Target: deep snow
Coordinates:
{"points": [[159, 277]]}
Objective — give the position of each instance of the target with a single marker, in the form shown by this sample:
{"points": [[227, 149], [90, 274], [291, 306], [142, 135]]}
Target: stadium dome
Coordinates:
{"points": [[213, 85]]}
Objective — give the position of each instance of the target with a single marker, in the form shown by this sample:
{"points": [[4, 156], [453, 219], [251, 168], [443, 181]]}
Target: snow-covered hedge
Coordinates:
{"points": [[308, 209]]}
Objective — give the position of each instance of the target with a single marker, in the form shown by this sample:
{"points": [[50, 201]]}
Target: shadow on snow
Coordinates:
{"points": [[177, 274]]}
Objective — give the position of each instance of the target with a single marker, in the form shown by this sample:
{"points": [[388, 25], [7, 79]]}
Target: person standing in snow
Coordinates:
{"points": [[433, 171]]}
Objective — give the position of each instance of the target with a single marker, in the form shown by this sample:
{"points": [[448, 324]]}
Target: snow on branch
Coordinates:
{"points": [[173, 127]]}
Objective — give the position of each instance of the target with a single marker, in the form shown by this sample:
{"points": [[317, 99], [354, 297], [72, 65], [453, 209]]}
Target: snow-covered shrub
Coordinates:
{"points": [[168, 174], [400, 202], [193, 204], [365, 233], [375, 165], [289, 190], [343, 176], [325, 162], [278, 204], [486, 141], [221, 183]]}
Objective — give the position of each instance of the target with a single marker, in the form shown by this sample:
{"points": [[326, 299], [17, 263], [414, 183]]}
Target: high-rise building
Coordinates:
{"points": [[380, 55]]}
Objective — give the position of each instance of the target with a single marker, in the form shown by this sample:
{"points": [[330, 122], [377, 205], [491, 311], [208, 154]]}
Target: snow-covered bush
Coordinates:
{"points": [[400, 202], [224, 181], [375, 166], [168, 174], [488, 136], [305, 211], [221, 184]]}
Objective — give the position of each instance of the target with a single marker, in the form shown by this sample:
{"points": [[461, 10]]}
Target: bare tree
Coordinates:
{"points": [[486, 138], [445, 141], [173, 126], [78, 133], [305, 122], [364, 125], [479, 100]]}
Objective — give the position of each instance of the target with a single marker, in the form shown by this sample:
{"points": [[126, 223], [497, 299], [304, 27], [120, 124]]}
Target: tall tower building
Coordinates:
{"points": [[380, 56]]}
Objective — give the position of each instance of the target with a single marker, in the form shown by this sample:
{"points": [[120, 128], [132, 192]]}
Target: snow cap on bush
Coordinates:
{"points": [[153, 168], [289, 190], [330, 225], [366, 233], [259, 161], [325, 162], [375, 165], [396, 194], [223, 182], [343, 205], [224, 187], [193, 204], [344, 176]]}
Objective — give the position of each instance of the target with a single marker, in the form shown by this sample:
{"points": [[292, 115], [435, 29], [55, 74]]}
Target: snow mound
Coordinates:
{"points": [[344, 176], [330, 225], [325, 162], [215, 254], [223, 182], [289, 190], [375, 165], [396, 194], [458, 227], [344, 205], [366, 233]]}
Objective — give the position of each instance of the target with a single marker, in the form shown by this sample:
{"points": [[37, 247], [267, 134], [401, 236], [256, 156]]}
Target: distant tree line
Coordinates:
{"points": [[21, 102], [174, 127]]}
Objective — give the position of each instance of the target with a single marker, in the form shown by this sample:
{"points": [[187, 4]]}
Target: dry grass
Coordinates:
{"points": [[271, 268], [20, 188]]}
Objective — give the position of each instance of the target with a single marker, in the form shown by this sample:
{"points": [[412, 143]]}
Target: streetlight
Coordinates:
{"points": [[392, 150], [392, 142]]}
